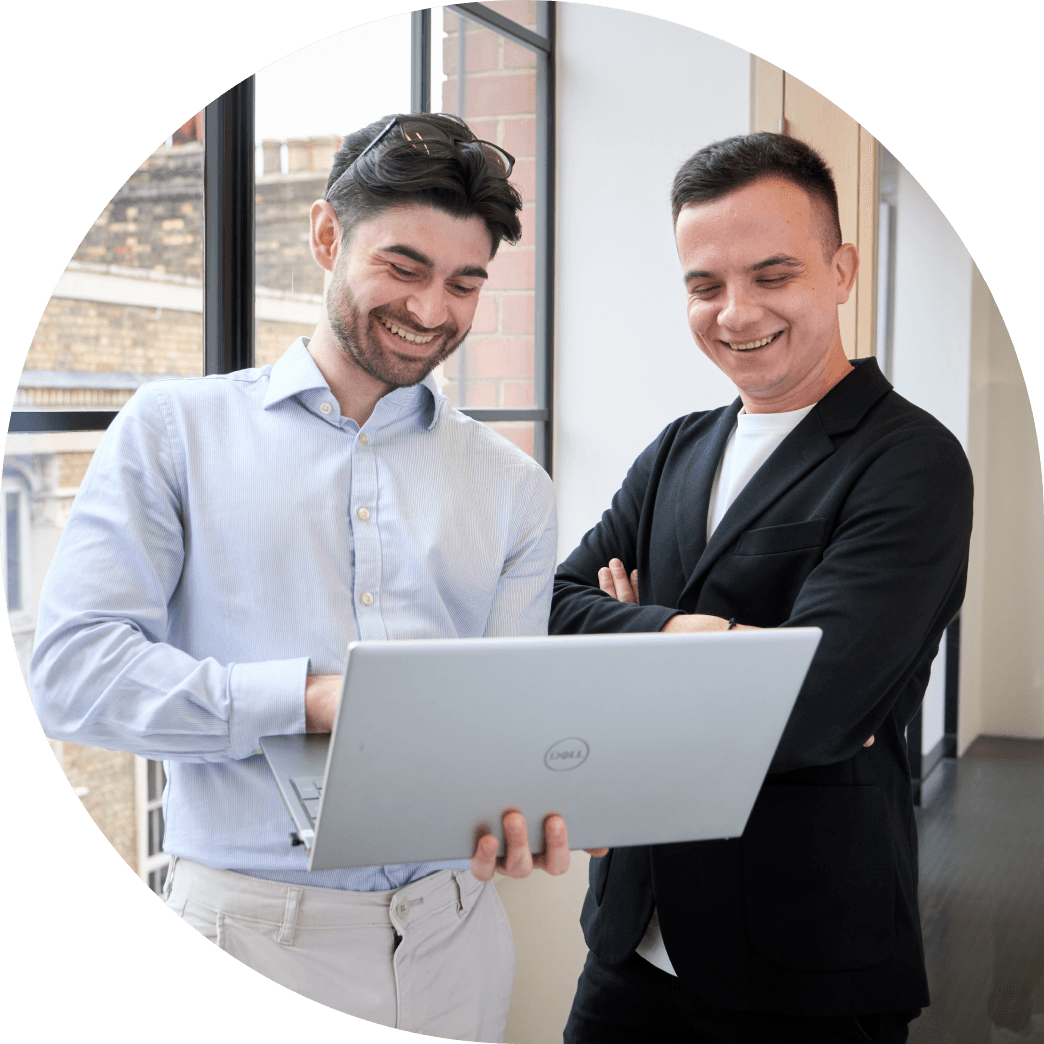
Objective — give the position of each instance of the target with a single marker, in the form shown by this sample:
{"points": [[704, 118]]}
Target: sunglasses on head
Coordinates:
{"points": [[421, 133]]}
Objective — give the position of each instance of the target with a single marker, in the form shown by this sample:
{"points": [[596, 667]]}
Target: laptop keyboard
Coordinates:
{"points": [[309, 789]]}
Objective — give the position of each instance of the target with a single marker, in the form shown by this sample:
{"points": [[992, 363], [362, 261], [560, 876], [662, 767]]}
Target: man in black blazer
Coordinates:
{"points": [[820, 497]]}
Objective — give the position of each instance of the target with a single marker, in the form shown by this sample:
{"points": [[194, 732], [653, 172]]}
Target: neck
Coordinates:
{"points": [[832, 369], [356, 391]]}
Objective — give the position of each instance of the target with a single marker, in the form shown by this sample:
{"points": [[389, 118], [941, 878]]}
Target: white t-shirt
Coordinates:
{"points": [[751, 443]]}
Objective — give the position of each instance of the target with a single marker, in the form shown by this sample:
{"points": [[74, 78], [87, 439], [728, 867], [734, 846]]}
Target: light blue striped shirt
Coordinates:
{"points": [[233, 533]]}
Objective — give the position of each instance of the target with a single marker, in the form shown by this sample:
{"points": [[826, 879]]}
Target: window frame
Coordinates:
{"points": [[228, 222]]}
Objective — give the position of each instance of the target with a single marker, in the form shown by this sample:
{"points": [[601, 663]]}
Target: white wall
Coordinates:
{"points": [[952, 355], [636, 96], [932, 346], [932, 333], [1002, 657]]}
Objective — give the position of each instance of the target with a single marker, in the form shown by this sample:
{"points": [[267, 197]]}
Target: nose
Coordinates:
{"points": [[428, 305], [739, 310]]}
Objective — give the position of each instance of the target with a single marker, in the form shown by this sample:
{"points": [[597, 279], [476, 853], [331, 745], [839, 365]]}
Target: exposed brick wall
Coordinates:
{"points": [[273, 339], [92, 337], [71, 468], [108, 776], [283, 256], [499, 89], [155, 221]]}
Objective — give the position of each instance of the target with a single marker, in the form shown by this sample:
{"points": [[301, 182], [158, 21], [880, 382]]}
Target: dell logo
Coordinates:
{"points": [[566, 754]]}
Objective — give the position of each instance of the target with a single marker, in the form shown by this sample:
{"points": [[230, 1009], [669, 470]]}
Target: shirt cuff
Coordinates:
{"points": [[265, 699]]}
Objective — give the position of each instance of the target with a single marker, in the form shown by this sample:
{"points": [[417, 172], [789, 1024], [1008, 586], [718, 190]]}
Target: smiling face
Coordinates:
{"points": [[762, 295], [402, 294]]}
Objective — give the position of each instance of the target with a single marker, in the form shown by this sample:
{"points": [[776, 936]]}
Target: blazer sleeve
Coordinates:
{"points": [[578, 605], [891, 578]]}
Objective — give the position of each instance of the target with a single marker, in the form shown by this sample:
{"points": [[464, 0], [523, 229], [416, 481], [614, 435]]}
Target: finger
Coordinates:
{"points": [[634, 585], [620, 581], [869, 742], [555, 857], [597, 853], [518, 860], [605, 581], [484, 861]]}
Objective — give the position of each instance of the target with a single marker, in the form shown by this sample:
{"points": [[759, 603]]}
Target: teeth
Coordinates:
{"points": [[405, 334], [752, 344]]}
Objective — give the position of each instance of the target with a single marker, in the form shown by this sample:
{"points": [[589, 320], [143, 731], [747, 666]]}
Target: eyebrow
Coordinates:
{"points": [[776, 259], [475, 271]]}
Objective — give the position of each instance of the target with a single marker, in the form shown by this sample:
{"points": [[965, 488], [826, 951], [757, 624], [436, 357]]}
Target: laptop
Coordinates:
{"points": [[634, 739]]}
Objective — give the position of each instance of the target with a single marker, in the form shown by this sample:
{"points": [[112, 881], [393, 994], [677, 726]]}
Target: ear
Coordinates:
{"points": [[845, 266], [325, 234]]}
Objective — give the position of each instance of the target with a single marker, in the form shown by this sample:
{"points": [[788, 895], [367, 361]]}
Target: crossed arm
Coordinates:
{"points": [[615, 582]]}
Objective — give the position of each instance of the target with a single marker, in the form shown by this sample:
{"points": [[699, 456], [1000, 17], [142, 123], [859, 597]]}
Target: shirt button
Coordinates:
{"points": [[367, 598], [363, 439], [363, 514], [325, 408]]}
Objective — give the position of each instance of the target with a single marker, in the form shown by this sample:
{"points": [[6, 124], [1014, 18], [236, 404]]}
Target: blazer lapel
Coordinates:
{"points": [[795, 457], [699, 470]]}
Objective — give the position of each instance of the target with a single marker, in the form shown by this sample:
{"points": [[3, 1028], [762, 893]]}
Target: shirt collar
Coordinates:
{"points": [[296, 372]]}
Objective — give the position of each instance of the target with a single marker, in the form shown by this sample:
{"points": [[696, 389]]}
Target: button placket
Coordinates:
{"points": [[366, 540]]}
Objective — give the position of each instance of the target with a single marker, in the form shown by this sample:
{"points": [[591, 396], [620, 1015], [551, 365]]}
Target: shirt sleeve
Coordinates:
{"points": [[102, 673], [522, 598]]}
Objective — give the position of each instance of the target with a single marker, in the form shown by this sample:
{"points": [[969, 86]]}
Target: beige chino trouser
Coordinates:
{"points": [[435, 956]]}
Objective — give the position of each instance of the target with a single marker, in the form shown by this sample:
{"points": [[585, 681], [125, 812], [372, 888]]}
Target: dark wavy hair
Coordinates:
{"points": [[454, 179], [725, 166]]}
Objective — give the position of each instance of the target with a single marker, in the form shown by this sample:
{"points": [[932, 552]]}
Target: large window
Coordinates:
{"points": [[200, 264]]}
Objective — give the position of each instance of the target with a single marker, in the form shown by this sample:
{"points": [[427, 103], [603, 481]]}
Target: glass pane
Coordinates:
{"points": [[491, 82], [155, 839], [128, 309], [13, 551], [522, 433], [303, 104], [157, 780], [129, 305]]}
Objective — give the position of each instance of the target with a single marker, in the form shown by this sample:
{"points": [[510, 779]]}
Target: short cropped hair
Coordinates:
{"points": [[454, 180], [733, 163]]}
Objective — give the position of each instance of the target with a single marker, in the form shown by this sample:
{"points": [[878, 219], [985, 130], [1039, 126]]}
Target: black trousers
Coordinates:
{"points": [[635, 1001]]}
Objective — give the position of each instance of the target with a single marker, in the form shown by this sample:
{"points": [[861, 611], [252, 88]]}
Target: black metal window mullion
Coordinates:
{"points": [[420, 61], [228, 231]]}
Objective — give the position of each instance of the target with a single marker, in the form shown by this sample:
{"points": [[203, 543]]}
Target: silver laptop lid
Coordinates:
{"points": [[633, 739]]}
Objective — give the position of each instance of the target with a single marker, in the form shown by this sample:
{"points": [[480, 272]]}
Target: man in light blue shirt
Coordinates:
{"points": [[234, 532]]}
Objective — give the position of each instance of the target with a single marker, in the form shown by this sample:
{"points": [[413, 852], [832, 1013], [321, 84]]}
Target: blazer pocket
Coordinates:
{"points": [[772, 540], [819, 878], [598, 874]]}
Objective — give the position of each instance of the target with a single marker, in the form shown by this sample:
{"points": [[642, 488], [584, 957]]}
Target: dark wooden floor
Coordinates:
{"points": [[982, 896]]}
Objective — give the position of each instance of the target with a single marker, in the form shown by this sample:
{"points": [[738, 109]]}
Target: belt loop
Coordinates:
{"points": [[289, 925], [168, 881], [463, 905]]}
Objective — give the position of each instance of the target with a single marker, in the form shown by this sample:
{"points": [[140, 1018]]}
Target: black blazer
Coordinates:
{"points": [[858, 523]]}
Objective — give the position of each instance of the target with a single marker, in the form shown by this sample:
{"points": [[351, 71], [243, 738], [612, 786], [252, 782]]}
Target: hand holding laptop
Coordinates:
{"points": [[518, 860], [322, 692]]}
